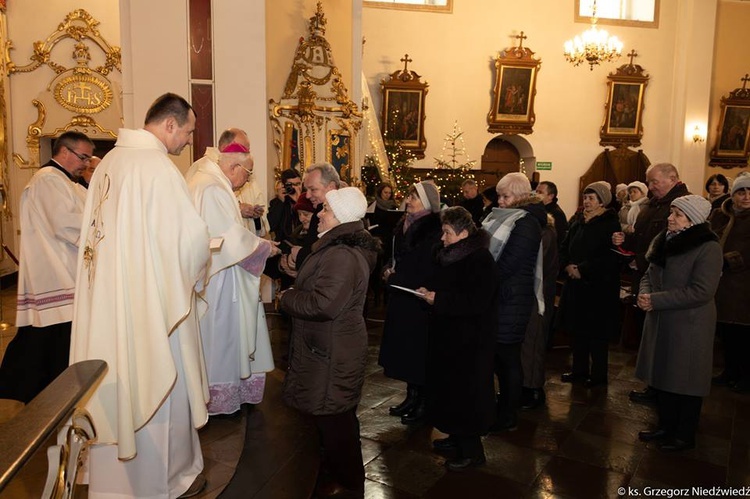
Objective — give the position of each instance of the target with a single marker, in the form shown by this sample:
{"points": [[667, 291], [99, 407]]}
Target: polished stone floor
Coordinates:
{"points": [[582, 444]]}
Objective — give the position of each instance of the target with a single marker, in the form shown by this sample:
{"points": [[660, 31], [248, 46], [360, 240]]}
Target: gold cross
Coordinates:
{"points": [[406, 61], [632, 54], [521, 37], [745, 80]]}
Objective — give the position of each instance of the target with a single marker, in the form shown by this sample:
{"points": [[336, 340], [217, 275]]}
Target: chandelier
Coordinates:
{"points": [[593, 46]]}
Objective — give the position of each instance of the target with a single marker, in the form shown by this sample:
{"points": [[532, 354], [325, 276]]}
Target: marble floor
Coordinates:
{"points": [[582, 444]]}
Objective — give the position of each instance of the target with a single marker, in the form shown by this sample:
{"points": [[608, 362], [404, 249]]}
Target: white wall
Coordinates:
{"points": [[454, 53]]}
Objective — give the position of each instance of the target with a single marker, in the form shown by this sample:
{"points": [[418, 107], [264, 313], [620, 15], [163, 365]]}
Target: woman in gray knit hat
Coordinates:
{"points": [[677, 293]]}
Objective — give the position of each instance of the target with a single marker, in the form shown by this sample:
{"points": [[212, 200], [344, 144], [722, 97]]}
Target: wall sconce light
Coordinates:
{"points": [[699, 135]]}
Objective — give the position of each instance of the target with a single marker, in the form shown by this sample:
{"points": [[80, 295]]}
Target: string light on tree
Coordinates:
{"points": [[453, 166]]}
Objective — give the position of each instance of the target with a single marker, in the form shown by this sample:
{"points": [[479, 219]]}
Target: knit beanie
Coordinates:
{"points": [[696, 208], [603, 191], [304, 204], [348, 204], [429, 195], [640, 186], [620, 187], [741, 182]]}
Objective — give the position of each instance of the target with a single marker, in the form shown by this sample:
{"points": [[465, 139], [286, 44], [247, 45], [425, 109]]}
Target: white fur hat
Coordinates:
{"points": [[348, 204]]}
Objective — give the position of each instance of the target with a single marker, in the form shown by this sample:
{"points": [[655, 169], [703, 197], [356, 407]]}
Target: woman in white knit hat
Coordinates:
{"points": [[328, 353], [677, 293]]}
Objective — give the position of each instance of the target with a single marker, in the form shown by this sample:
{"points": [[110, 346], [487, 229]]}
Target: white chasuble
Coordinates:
{"points": [[143, 249]]}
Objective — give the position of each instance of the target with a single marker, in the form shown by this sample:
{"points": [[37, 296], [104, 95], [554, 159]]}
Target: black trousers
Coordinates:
{"points": [[341, 449], [510, 379], [735, 342], [33, 359], [679, 414], [587, 347]]}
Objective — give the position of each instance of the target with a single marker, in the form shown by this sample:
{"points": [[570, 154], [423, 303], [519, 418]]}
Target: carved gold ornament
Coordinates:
{"points": [[83, 94]]}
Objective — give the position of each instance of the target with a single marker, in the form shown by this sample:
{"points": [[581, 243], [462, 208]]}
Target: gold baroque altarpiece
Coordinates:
{"points": [[315, 120], [80, 97]]}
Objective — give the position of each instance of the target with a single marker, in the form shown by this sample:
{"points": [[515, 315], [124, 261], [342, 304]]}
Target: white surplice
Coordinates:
{"points": [[233, 330], [143, 249], [51, 213]]}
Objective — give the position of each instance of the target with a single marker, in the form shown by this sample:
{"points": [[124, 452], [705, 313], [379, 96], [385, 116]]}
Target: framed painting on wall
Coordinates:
{"points": [[623, 116], [733, 141], [403, 111], [514, 91]]}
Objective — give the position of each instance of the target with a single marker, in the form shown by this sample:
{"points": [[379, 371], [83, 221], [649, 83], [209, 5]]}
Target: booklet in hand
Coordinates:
{"points": [[407, 290]]}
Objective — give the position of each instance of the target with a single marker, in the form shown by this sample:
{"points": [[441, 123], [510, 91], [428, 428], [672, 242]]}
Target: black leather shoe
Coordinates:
{"points": [[417, 415], [572, 377], [462, 463], [650, 436], [407, 405], [741, 387], [647, 396], [533, 398], [676, 445]]}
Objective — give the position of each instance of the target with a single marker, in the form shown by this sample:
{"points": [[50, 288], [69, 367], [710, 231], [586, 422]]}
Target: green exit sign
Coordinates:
{"points": [[544, 165]]}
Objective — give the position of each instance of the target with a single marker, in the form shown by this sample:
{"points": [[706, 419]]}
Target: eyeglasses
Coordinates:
{"points": [[85, 158], [249, 172]]}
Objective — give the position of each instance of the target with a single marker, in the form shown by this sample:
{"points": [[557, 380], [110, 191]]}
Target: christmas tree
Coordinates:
{"points": [[453, 166]]}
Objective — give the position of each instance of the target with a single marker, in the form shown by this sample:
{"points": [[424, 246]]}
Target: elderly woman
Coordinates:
{"points": [[516, 229], [590, 298], [329, 340], [732, 224], [403, 351], [460, 388], [677, 293], [638, 195], [717, 187]]}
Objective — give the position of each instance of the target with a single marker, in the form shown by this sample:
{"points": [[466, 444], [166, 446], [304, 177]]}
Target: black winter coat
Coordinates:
{"points": [[590, 306], [516, 266], [403, 351], [460, 382]]}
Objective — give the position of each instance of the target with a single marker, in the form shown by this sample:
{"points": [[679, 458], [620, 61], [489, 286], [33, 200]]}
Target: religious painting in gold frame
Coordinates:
{"points": [[513, 94], [623, 117], [403, 111], [732, 147]]}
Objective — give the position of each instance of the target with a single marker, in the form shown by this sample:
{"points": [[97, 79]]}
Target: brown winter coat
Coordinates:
{"points": [[733, 230], [329, 338], [676, 353]]}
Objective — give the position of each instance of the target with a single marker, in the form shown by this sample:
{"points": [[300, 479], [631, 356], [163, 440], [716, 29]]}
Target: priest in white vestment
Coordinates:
{"points": [[51, 210], [143, 249], [233, 330]]}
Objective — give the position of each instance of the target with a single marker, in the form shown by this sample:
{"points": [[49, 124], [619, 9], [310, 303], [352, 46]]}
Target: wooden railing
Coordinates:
{"points": [[60, 404]]}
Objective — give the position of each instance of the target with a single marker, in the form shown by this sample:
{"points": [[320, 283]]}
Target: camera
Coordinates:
{"points": [[289, 188]]}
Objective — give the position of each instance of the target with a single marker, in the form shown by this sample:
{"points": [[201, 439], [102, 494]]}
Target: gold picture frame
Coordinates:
{"points": [[514, 91], [732, 147], [403, 111], [623, 117]]}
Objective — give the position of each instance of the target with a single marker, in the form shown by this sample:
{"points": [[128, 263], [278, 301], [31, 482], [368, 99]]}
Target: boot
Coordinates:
{"points": [[405, 406], [418, 412]]}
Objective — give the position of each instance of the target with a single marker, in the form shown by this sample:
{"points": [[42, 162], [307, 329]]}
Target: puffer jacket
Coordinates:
{"points": [[329, 337]]}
